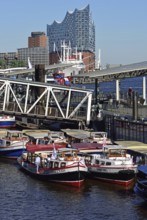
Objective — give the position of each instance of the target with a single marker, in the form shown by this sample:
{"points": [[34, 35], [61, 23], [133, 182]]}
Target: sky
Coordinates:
{"points": [[121, 25]]}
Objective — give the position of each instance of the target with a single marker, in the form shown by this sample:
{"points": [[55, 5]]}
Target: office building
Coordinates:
{"points": [[38, 55], [37, 49], [37, 39]]}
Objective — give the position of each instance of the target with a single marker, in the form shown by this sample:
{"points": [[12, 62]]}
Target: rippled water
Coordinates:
{"points": [[24, 198]]}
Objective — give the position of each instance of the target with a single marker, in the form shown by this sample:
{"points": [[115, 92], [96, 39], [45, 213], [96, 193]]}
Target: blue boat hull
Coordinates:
{"points": [[141, 189], [7, 124], [11, 153]]}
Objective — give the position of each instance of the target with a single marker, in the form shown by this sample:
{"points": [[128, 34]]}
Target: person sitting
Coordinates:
{"points": [[46, 140]]}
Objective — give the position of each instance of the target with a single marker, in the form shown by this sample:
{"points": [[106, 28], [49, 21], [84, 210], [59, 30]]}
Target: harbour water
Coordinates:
{"points": [[25, 198], [110, 87]]}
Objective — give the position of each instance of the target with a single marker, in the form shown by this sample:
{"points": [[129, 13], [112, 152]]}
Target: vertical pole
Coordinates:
{"points": [[89, 109], [117, 90], [39, 77], [135, 106], [144, 89], [96, 84]]}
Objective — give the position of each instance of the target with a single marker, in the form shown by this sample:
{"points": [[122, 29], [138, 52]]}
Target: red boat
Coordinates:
{"points": [[56, 164]]}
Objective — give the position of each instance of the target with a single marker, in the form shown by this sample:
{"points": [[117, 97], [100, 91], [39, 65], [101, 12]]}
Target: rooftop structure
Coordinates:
{"points": [[37, 39]]}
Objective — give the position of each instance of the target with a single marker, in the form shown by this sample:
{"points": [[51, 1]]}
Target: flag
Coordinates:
{"points": [[54, 154], [104, 141]]}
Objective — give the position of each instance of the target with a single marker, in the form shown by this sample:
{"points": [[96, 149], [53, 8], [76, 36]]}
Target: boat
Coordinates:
{"points": [[100, 137], [59, 165], [84, 136], [57, 137], [86, 141], [140, 187], [71, 56], [113, 164], [142, 172], [7, 121], [38, 139], [12, 144]]}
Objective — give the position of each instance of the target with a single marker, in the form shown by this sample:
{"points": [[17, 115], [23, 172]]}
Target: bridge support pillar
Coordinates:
{"points": [[144, 90], [39, 77], [117, 91], [135, 106]]}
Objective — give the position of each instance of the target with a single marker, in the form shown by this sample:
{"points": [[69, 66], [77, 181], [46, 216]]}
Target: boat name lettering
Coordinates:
{"points": [[60, 171], [101, 170]]}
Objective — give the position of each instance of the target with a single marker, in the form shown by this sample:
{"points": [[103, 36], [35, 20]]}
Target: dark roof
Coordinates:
{"points": [[123, 71], [43, 147]]}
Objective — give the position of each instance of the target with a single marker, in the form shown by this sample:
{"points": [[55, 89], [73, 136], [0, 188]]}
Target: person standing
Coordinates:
{"points": [[37, 162], [130, 92]]}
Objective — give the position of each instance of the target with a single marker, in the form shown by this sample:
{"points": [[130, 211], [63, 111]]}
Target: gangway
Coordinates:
{"points": [[44, 101]]}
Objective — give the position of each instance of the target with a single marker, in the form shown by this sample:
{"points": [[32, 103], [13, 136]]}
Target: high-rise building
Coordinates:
{"points": [[38, 39], [78, 30], [37, 49], [37, 55]]}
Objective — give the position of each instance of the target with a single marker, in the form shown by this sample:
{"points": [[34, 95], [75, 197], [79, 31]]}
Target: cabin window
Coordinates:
{"points": [[56, 164], [31, 157], [7, 143], [108, 163], [87, 161], [102, 162], [3, 143], [50, 164], [63, 164], [97, 162]]}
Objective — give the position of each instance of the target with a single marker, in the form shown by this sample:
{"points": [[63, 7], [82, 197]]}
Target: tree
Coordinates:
{"points": [[2, 64], [17, 63]]}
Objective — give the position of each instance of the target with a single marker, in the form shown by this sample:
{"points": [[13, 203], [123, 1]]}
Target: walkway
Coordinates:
{"points": [[40, 100]]}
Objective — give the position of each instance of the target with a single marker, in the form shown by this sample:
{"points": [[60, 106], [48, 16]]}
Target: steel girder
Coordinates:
{"points": [[45, 100]]}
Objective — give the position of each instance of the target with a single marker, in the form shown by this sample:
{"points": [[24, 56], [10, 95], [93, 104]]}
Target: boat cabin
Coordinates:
{"points": [[82, 136], [115, 152], [52, 159], [12, 138], [14, 135], [110, 155], [100, 137], [56, 137]]}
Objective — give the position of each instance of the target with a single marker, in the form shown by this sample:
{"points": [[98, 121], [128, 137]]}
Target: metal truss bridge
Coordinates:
{"points": [[44, 101]]}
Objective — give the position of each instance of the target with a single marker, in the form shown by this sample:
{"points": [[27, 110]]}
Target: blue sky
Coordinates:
{"points": [[121, 25]]}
